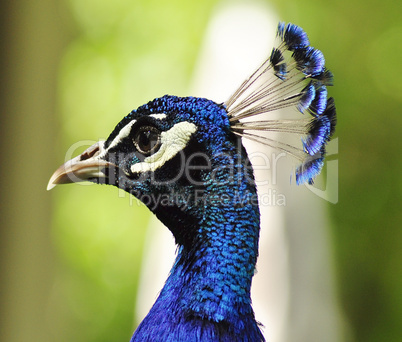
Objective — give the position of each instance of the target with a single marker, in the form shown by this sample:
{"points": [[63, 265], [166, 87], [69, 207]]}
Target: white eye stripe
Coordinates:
{"points": [[159, 116], [124, 133], [172, 142]]}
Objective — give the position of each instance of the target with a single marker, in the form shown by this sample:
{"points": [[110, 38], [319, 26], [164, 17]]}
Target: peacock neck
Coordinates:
{"points": [[210, 280], [213, 277], [212, 273]]}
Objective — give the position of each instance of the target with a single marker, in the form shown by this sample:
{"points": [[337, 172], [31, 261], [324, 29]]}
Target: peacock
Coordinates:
{"points": [[183, 157]]}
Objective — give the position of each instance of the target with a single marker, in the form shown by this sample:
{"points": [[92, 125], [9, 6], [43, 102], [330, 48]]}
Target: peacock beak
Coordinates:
{"points": [[81, 168]]}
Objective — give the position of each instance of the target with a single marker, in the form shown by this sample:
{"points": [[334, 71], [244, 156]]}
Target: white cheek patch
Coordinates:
{"points": [[172, 142], [160, 116]]}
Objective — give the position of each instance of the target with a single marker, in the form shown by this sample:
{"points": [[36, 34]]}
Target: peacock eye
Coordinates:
{"points": [[147, 140]]}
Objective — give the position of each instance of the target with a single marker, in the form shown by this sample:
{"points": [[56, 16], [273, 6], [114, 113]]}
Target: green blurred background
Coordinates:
{"points": [[70, 259]]}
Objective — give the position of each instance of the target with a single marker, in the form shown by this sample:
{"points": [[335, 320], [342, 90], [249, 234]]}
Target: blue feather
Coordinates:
{"points": [[300, 80], [310, 168], [319, 133], [293, 36], [325, 77], [319, 103], [309, 60], [308, 97], [279, 68]]}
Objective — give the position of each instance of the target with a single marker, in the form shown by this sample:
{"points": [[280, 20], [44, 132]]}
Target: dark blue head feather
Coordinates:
{"points": [[309, 60], [320, 130], [325, 77], [307, 98], [312, 165], [276, 60], [319, 103], [293, 36]]}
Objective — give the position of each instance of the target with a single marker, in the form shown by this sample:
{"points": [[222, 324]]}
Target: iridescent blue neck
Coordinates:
{"points": [[208, 290]]}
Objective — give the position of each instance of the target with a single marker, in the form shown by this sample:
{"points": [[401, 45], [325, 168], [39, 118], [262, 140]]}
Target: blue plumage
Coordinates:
{"points": [[183, 157], [319, 103], [306, 100], [292, 36], [310, 61], [320, 130]]}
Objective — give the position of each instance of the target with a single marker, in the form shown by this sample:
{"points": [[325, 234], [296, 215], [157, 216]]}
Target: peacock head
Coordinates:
{"points": [[166, 142], [174, 154]]}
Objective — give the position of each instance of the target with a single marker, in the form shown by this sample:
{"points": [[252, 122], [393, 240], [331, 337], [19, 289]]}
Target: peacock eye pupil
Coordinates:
{"points": [[147, 140]]}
